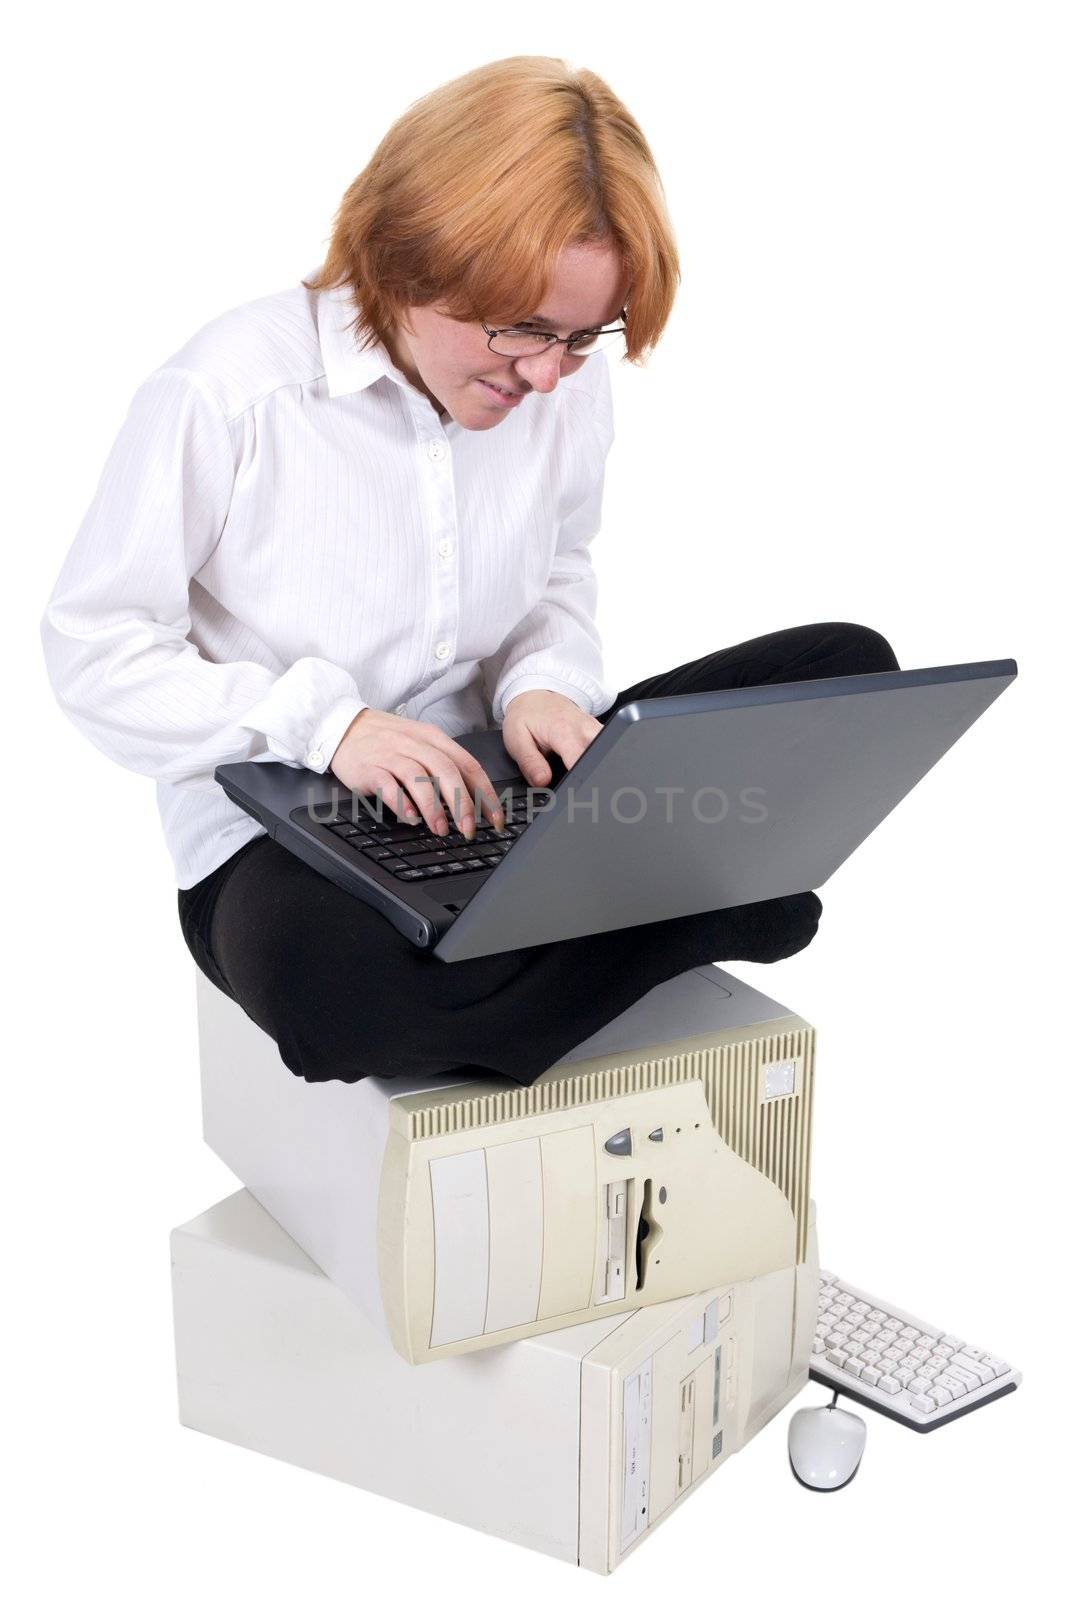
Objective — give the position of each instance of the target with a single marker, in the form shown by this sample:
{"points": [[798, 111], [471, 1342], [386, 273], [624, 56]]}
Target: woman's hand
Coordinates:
{"points": [[403, 759], [541, 721]]}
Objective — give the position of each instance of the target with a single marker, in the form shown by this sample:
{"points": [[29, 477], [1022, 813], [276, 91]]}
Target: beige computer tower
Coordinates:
{"points": [[576, 1443], [668, 1151]]}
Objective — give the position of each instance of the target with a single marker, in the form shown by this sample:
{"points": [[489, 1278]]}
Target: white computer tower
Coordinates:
{"points": [[669, 1151], [576, 1443]]}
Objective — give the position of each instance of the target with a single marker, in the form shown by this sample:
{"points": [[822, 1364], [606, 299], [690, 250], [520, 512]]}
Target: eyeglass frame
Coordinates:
{"points": [[552, 338]]}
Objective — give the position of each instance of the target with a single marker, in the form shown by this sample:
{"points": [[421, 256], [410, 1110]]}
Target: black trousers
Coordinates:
{"points": [[345, 996]]}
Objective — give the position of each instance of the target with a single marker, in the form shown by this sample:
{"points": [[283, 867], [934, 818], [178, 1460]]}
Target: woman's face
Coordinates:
{"points": [[451, 363]]}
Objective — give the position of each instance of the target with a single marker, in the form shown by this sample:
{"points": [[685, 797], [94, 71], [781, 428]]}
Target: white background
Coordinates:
{"points": [[857, 413]]}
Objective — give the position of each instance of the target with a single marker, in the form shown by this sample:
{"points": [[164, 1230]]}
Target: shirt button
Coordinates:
{"points": [[441, 650], [445, 547], [436, 451], [316, 759]]}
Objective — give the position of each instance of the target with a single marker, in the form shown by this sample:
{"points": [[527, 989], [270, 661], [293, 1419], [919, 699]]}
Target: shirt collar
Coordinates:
{"points": [[348, 368]]}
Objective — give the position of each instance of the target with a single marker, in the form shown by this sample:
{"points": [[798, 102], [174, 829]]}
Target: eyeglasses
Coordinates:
{"points": [[521, 341]]}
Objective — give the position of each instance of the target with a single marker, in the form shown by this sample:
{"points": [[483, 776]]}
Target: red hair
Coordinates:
{"points": [[474, 192]]}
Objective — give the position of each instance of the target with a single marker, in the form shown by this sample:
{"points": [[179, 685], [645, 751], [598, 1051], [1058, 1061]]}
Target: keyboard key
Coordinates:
{"points": [[983, 1373], [854, 1365], [837, 1358], [957, 1375], [920, 1386], [939, 1395], [922, 1402], [871, 1375], [890, 1384], [411, 875]]}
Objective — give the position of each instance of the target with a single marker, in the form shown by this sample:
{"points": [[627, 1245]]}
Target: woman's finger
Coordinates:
{"points": [[389, 792], [523, 747]]}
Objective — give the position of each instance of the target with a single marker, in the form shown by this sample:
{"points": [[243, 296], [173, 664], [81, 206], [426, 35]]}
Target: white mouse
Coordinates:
{"points": [[825, 1446]]}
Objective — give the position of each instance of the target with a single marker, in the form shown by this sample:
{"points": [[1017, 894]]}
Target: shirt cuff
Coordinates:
{"points": [[322, 745], [582, 698]]}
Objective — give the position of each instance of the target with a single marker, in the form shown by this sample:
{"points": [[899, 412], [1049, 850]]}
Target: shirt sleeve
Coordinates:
{"points": [[557, 645], [115, 630]]}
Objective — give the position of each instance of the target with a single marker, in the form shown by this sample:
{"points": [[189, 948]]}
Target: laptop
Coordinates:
{"points": [[681, 804]]}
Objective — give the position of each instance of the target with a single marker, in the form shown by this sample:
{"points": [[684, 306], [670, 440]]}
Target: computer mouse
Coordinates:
{"points": [[825, 1446]]}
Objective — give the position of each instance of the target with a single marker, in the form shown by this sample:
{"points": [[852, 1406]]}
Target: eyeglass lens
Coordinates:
{"points": [[508, 343]]}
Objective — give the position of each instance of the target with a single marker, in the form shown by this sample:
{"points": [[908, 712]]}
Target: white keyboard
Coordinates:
{"points": [[908, 1369]]}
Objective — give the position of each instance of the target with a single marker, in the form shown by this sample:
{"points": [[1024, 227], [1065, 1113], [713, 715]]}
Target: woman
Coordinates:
{"points": [[348, 522]]}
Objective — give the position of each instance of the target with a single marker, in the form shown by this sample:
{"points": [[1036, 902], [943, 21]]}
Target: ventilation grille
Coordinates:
{"points": [[774, 1136]]}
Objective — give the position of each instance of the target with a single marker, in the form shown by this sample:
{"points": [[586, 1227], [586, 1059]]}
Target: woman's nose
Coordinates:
{"points": [[542, 371]]}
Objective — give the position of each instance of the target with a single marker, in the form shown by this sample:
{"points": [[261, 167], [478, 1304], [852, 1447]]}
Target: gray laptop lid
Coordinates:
{"points": [[694, 802]]}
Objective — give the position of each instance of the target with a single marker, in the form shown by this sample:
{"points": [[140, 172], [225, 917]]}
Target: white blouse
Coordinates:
{"points": [[286, 531]]}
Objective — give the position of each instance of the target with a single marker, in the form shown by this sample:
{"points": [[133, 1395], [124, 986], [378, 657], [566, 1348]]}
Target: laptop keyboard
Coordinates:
{"points": [[412, 853]]}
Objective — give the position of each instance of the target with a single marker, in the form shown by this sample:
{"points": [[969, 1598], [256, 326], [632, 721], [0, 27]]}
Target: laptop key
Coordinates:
{"points": [[376, 852], [411, 874], [425, 858]]}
